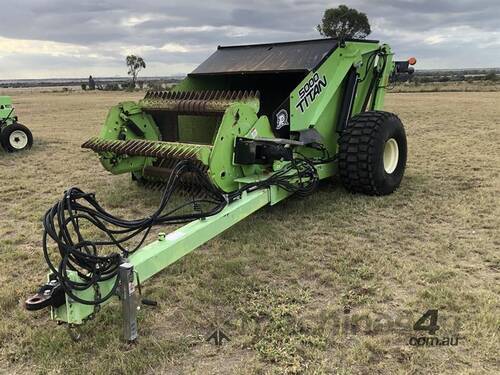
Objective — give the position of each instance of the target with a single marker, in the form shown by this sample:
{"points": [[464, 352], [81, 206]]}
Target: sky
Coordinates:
{"points": [[67, 38]]}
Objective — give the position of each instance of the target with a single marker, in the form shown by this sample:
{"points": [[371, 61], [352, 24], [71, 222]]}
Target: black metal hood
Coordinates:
{"points": [[299, 56]]}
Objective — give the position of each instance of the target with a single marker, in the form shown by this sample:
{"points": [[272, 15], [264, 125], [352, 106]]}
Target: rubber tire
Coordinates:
{"points": [[7, 131], [361, 149]]}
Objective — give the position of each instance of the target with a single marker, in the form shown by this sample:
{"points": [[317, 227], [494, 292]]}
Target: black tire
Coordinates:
{"points": [[13, 144], [362, 168]]}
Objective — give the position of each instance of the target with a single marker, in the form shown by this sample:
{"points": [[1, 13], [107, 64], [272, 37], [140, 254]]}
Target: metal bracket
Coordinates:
{"points": [[50, 294]]}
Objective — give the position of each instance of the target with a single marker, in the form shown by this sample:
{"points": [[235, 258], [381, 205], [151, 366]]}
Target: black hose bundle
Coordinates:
{"points": [[62, 224], [298, 177]]}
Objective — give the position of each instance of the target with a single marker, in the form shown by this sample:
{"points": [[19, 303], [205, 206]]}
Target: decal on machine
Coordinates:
{"points": [[310, 91], [282, 119]]}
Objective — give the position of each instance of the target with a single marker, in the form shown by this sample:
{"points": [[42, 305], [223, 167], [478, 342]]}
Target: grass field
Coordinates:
{"points": [[459, 86], [329, 284]]}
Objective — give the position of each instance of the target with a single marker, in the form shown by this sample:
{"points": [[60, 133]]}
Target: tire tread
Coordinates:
{"points": [[356, 151]]}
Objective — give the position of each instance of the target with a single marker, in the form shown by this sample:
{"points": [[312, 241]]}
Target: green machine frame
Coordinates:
{"points": [[319, 109]]}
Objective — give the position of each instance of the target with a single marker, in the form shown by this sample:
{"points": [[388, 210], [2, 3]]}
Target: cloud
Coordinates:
{"points": [[39, 36], [10, 46]]}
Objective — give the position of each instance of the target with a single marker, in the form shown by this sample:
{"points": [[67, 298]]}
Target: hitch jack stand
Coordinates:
{"points": [[129, 301]]}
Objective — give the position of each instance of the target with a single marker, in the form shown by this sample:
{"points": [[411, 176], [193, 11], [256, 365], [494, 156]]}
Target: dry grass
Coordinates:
{"points": [[287, 278], [458, 86]]}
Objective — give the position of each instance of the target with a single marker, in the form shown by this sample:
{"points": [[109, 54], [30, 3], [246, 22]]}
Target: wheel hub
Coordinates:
{"points": [[18, 139], [391, 155]]}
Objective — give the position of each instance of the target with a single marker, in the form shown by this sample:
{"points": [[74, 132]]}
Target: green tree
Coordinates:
{"points": [[135, 64], [344, 23], [491, 76]]}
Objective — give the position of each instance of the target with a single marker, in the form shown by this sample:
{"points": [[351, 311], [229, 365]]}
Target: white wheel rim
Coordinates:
{"points": [[391, 155], [18, 139]]}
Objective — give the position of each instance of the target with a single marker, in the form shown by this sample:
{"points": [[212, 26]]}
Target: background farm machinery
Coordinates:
{"points": [[14, 136]]}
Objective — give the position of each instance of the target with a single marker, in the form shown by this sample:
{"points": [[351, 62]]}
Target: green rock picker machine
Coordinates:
{"points": [[13, 135], [251, 126]]}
